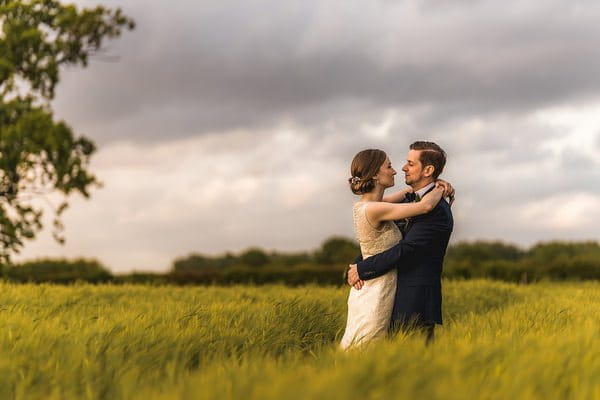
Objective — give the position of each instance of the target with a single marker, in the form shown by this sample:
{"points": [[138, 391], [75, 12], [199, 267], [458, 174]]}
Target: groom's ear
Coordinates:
{"points": [[428, 170]]}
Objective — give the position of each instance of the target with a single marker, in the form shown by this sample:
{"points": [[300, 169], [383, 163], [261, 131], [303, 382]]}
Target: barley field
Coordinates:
{"points": [[499, 341]]}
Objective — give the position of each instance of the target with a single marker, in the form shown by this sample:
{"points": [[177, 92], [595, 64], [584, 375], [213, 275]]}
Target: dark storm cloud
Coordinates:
{"points": [[194, 68]]}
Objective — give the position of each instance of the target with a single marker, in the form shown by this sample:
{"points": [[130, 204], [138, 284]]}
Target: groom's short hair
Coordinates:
{"points": [[431, 154]]}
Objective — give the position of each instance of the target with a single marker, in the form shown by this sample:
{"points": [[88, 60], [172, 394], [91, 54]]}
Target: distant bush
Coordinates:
{"points": [[198, 261], [58, 271], [325, 266], [551, 261], [337, 250], [146, 278], [290, 259], [550, 252], [468, 256], [253, 257], [300, 275]]}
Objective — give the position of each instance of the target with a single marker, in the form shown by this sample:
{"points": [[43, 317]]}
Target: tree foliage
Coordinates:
{"points": [[39, 156], [474, 253], [254, 257], [337, 250]]}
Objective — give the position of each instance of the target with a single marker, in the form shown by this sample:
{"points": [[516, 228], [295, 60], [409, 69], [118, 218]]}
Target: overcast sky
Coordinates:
{"points": [[229, 124]]}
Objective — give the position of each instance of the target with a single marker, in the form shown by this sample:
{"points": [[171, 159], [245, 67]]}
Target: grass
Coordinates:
{"points": [[499, 341]]}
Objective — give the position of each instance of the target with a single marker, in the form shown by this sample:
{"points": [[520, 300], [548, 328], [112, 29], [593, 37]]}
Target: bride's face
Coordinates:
{"points": [[385, 176]]}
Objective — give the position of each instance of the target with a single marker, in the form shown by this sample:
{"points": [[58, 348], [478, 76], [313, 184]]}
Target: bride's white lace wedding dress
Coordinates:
{"points": [[370, 308]]}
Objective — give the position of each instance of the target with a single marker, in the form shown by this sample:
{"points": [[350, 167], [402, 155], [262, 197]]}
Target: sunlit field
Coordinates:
{"points": [[499, 341]]}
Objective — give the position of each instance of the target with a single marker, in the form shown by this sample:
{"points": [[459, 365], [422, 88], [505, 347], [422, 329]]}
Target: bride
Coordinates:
{"points": [[370, 308]]}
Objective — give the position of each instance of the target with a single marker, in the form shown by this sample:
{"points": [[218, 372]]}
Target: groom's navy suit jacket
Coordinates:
{"points": [[419, 258]]}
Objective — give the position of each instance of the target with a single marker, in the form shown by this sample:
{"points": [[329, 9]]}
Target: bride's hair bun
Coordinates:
{"points": [[364, 167]]}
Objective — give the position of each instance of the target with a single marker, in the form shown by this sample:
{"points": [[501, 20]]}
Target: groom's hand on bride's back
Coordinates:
{"points": [[353, 278]]}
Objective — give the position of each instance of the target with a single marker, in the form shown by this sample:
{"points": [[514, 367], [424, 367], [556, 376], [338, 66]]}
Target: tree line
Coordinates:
{"points": [[327, 265]]}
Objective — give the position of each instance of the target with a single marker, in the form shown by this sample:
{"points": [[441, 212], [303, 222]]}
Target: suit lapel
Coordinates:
{"points": [[428, 190], [410, 221]]}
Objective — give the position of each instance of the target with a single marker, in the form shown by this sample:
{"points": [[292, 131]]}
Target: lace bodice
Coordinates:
{"points": [[373, 240]]}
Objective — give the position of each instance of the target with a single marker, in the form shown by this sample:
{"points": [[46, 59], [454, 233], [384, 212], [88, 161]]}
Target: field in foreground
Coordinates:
{"points": [[499, 341]]}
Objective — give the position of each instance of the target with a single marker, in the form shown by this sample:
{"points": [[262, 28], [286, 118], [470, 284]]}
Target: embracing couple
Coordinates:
{"points": [[396, 283]]}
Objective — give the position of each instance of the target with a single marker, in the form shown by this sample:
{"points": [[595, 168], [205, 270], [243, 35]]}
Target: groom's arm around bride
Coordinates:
{"points": [[426, 240]]}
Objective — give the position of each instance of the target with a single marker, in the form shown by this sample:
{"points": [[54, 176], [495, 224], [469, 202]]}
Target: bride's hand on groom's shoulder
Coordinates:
{"points": [[448, 189]]}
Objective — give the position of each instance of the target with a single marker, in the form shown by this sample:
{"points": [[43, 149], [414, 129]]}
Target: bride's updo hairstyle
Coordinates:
{"points": [[365, 165]]}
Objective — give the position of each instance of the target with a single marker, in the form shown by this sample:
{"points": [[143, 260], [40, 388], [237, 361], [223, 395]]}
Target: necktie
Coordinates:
{"points": [[404, 224], [413, 197]]}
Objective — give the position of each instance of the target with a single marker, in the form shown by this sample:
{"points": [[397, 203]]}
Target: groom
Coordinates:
{"points": [[420, 254]]}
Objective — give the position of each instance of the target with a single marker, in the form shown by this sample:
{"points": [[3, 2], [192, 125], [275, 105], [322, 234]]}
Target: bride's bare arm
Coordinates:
{"points": [[398, 196], [380, 211]]}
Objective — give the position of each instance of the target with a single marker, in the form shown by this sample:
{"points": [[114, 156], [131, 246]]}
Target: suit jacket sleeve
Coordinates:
{"points": [[418, 238], [358, 259]]}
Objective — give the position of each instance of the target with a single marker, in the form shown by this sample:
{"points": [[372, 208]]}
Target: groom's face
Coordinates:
{"points": [[413, 169]]}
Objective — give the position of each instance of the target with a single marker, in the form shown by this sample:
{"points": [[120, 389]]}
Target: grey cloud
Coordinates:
{"points": [[206, 67], [574, 159]]}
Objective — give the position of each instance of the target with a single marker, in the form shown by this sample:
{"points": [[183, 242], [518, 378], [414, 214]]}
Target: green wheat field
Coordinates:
{"points": [[499, 341]]}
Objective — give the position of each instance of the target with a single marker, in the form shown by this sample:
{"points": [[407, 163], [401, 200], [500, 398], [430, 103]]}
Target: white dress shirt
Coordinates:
{"points": [[421, 192]]}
